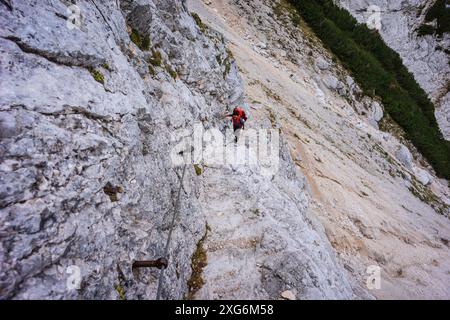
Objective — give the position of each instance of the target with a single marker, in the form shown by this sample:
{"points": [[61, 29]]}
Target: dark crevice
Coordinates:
{"points": [[7, 3], [60, 15], [52, 57], [103, 16], [78, 110]]}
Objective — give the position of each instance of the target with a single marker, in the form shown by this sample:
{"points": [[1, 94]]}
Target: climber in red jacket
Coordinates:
{"points": [[238, 117]]}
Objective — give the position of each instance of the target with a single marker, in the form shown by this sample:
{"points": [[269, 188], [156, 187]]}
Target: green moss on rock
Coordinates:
{"points": [[172, 72], [425, 29], [135, 37], [199, 22], [97, 75], [151, 70], [156, 59], [198, 170], [198, 263], [120, 292], [227, 62], [142, 42], [145, 43]]}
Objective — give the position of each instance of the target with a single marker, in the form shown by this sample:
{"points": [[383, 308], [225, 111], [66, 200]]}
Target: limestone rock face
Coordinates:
{"points": [[422, 55], [404, 156], [333, 83], [423, 176], [87, 182], [322, 64], [377, 111], [86, 177]]}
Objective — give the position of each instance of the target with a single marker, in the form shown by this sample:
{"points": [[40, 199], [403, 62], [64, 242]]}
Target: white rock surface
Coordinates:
{"points": [[322, 64], [333, 83], [422, 176], [404, 156], [377, 111]]}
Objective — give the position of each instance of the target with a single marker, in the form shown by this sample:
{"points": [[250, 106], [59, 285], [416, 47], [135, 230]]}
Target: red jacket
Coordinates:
{"points": [[238, 114]]}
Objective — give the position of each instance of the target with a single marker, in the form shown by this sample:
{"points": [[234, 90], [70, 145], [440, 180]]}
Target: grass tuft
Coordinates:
{"points": [[198, 170], [97, 75], [199, 22], [142, 42], [156, 59], [198, 263]]}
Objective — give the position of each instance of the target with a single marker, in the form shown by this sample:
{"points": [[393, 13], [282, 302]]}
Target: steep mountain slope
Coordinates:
{"points": [[93, 115], [363, 183], [88, 183], [425, 56]]}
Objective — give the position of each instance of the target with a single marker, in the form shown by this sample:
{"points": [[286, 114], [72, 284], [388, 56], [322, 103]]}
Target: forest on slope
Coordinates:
{"points": [[380, 72]]}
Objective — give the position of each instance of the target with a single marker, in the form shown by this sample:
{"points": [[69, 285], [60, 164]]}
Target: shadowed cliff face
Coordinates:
{"points": [[87, 112], [425, 56], [86, 123]]}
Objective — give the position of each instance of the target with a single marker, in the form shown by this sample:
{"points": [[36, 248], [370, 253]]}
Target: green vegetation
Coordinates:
{"points": [[151, 70], [198, 262], [135, 37], [425, 29], [106, 66], [198, 170], [171, 72], [156, 59], [120, 292], [143, 42], [97, 75], [199, 22], [219, 59], [426, 195], [269, 93], [283, 6], [441, 14], [380, 72], [227, 62]]}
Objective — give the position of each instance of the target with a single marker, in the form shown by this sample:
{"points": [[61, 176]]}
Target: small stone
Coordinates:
{"points": [[262, 45], [333, 83], [350, 81], [377, 111], [404, 156], [423, 176], [322, 64], [288, 295]]}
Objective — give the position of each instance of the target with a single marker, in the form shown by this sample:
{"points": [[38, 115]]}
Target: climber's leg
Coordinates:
{"points": [[237, 133]]}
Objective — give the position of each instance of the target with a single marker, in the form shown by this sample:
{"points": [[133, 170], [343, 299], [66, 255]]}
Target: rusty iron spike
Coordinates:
{"points": [[160, 263]]}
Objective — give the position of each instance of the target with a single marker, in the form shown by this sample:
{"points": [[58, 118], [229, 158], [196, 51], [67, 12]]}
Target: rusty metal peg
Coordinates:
{"points": [[160, 263]]}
